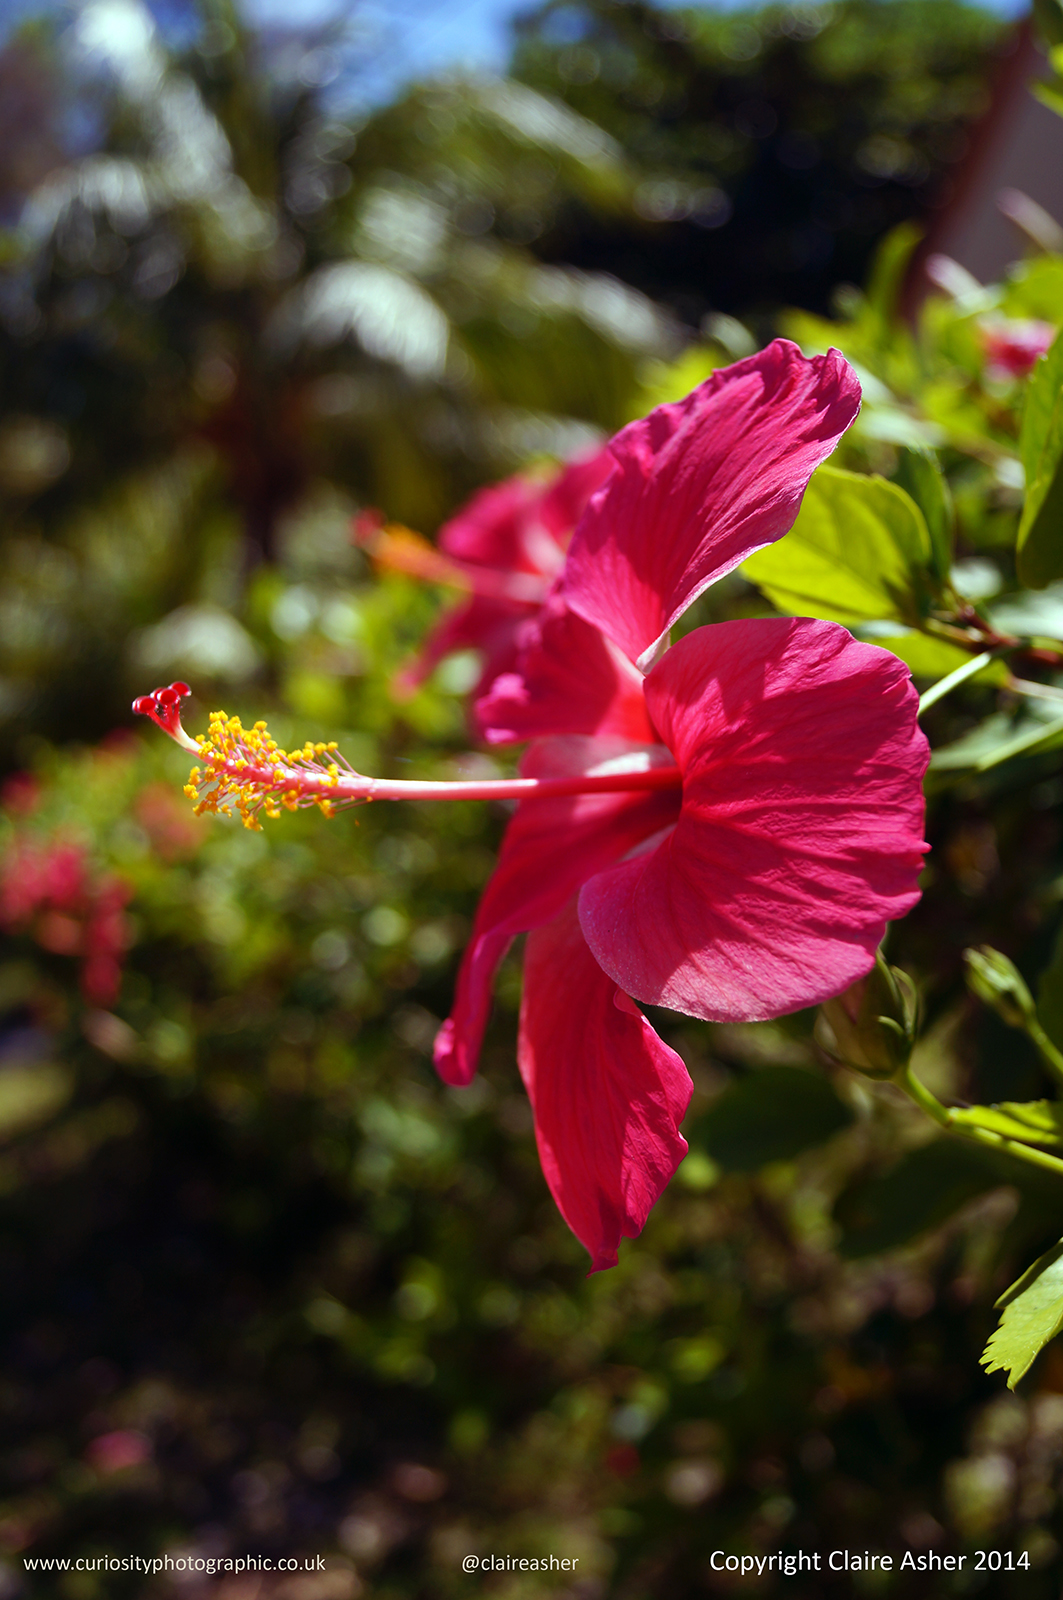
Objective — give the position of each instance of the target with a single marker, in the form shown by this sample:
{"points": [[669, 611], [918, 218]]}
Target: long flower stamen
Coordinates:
{"points": [[244, 772]]}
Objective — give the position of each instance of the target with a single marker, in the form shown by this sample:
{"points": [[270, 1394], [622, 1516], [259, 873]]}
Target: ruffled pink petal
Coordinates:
{"points": [[800, 833], [607, 1093], [550, 847], [569, 678], [700, 485]]}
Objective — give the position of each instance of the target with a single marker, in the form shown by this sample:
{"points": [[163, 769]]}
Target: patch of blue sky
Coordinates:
{"points": [[388, 42]]}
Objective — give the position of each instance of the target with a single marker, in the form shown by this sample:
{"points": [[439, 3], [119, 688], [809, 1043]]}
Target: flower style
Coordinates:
{"points": [[505, 548], [723, 827]]}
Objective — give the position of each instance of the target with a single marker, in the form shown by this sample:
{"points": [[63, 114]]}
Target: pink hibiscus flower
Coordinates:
{"points": [[505, 547], [1014, 345], [759, 885], [724, 828]]}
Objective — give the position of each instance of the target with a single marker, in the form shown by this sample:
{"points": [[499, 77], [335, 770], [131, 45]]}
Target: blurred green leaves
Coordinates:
{"points": [[30, 1095], [920, 476], [772, 1114], [921, 1191]]}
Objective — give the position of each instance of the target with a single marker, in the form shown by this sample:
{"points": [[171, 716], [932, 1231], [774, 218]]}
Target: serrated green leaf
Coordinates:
{"points": [[858, 552], [1037, 1122], [1040, 541], [921, 477], [770, 1115], [1033, 1314]]}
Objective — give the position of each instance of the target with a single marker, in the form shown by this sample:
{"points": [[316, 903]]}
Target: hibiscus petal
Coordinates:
{"points": [[607, 1093], [550, 847], [566, 498], [524, 525], [700, 485], [569, 679], [488, 528], [800, 833]]}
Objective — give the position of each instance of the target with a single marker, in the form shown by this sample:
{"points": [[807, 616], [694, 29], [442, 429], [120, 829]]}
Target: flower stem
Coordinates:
{"points": [[952, 680], [1052, 1057], [910, 1084]]}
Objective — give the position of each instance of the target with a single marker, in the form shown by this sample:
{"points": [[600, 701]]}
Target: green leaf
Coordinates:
{"points": [[858, 552], [1033, 1314], [1033, 1122], [1035, 289], [1040, 544], [1051, 95], [922, 1191], [889, 268], [920, 476], [770, 1115]]}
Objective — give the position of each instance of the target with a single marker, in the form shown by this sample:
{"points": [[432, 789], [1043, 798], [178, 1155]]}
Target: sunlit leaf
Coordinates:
{"points": [[858, 552], [1033, 1122], [1033, 1314]]}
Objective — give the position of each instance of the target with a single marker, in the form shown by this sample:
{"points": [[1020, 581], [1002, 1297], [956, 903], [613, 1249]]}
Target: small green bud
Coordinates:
{"points": [[871, 1026], [999, 985]]}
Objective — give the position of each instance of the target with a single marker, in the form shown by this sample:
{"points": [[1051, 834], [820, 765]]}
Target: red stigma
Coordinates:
{"points": [[163, 706]]}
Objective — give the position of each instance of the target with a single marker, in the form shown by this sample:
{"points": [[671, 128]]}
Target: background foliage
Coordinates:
{"points": [[270, 1287]]}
